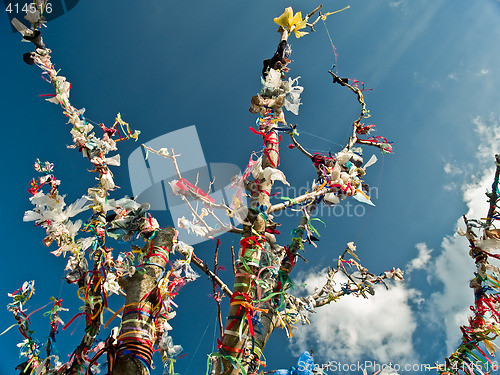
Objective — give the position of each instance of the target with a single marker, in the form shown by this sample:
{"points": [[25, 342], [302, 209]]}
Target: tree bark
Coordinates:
{"points": [[141, 292]]}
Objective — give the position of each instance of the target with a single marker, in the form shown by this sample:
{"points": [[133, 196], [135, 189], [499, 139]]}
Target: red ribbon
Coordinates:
{"points": [[243, 310], [248, 242], [289, 255], [185, 185], [73, 319], [220, 345], [269, 138]]}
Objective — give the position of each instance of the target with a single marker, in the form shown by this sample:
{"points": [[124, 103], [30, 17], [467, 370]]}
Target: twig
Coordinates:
{"points": [[298, 145], [359, 288], [366, 142], [493, 196], [174, 160], [162, 152], [354, 137], [196, 181], [234, 262], [332, 296], [223, 229], [200, 219], [311, 25], [216, 218], [216, 294], [197, 197], [210, 184], [204, 267], [314, 11]]}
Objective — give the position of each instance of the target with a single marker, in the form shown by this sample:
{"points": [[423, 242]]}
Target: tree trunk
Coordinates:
{"points": [[231, 343], [142, 305]]}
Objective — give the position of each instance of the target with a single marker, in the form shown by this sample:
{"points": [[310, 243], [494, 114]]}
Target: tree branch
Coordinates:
{"points": [[298, 145], [204, 267], [327, 293], [300, 199]]}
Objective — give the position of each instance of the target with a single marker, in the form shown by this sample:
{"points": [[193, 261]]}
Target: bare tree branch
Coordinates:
{"points": [[187, 251]]}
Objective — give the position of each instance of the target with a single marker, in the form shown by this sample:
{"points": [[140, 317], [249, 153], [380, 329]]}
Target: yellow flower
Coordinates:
{"points": [[292, 22]]}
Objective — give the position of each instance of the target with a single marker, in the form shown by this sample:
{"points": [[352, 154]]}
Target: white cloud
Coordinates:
{"points": [[452, 169], [489, 135], [379, 328], [454, 267], [448, 307], [422, 259], [430, 83], [466, 71], [399, 4]]}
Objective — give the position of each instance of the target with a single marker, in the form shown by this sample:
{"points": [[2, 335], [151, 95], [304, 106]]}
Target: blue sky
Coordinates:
{"points": [[433, 66]]}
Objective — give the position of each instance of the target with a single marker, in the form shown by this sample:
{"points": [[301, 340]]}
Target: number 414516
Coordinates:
{"points": [[31, 8]]}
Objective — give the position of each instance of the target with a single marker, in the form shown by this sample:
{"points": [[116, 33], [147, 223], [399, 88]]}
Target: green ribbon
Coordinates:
{"points": [[311, 226], [235, 362]]}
